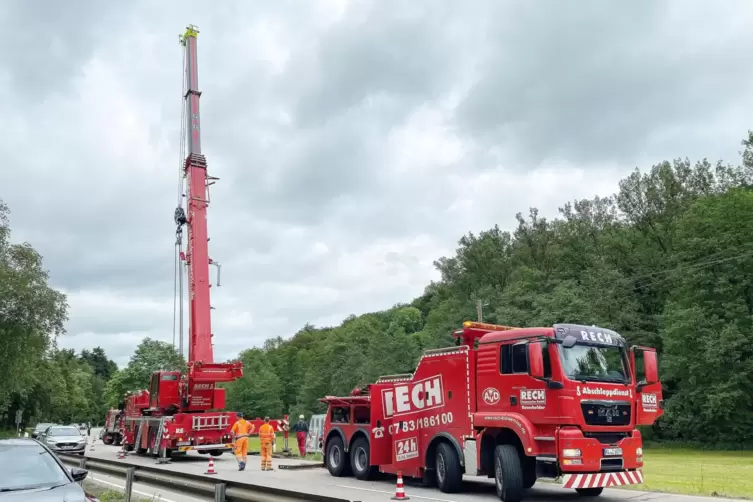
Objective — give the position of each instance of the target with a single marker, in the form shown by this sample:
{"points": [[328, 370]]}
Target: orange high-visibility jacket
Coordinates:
{"points": [[242, 428], [266, 433]]}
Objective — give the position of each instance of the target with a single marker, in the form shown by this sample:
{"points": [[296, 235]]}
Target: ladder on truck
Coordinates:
{"points": [[212, 422]]}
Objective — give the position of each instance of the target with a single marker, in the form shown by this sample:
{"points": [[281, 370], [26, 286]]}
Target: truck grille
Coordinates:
{"points": [[607, 437], [608, 413]]}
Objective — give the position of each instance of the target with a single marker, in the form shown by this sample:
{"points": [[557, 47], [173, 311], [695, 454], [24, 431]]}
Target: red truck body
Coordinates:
{"points": [[512, 404], [112, 432]]}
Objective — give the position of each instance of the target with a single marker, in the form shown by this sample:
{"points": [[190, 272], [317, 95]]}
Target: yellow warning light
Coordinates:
{"points": [[487, 326]]}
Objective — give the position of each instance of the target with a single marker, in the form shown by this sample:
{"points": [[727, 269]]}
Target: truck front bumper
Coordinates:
{"points": [[602, 479]]}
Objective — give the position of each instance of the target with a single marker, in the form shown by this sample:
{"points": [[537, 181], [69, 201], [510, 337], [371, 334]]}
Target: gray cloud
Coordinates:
{"points": [[355, 141]]}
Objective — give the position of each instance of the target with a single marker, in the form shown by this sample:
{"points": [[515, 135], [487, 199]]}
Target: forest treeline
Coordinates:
{"points": [[667, 261]]}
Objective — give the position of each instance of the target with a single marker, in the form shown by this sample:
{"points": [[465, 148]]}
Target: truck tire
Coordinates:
{"points": [[335, 457], [589, 492], [107, 439], [360, 458], [448, 471], [508, 473]]}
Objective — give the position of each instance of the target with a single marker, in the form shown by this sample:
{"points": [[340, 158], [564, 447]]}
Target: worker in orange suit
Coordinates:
{"points": [[267, 438], [239, 433]]}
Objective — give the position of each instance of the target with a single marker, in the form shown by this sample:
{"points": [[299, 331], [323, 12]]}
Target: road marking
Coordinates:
{"points": [[150, 495], [382, 491]]}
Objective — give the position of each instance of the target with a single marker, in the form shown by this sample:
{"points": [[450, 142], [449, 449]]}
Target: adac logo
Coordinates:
{"points": [[491, 396]]}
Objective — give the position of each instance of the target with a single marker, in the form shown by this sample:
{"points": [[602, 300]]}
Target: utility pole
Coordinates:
{"points": [[480, 309]]}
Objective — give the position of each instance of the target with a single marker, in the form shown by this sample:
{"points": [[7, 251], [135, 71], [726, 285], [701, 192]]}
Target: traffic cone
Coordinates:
{"points": [[210, 469], [91, 446], [400, 491], [121, 454]]}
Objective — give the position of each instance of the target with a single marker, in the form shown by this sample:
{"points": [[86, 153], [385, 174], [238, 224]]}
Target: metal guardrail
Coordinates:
{"points": [[222, 490]]}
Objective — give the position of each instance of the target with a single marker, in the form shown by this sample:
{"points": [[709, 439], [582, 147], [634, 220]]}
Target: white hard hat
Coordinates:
{"points": [[301, 417]]}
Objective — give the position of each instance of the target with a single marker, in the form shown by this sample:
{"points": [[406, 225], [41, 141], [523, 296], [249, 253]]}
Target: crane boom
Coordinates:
{"points": [[203, 372], [197, 258]]}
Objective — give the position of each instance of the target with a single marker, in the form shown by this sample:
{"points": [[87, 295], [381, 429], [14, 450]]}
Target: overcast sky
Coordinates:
{"points": [[355, 141]]}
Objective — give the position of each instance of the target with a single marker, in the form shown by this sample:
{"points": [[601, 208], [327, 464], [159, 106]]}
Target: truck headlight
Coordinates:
{"points": [[570, 452]]}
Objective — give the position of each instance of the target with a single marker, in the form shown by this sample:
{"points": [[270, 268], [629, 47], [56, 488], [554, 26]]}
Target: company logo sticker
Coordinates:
{"points": [[650, 402], [602, 392], [532, 399], [406, 399], [491, 396]]}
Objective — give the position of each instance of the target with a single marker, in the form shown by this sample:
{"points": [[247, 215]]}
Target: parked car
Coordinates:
{"points": [[32, 472], [39, 428], [64, 438]]}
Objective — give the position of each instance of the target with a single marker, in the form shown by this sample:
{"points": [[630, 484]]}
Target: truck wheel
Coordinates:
{"points": [[336, 459], [107, 439], [589, 492], [508, 473], [216, 453], [448, 472], [359, 459]]}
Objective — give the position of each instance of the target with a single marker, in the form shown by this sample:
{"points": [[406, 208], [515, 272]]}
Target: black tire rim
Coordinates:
{"points": [[334, 456], [498, 478], [360, 459], [441, 468]]}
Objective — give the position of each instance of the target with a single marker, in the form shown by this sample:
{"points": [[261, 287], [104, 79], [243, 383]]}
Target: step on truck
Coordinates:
{"points": [[512, 404]]}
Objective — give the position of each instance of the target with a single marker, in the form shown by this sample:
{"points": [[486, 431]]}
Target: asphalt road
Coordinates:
{"points": [[318, 481]]}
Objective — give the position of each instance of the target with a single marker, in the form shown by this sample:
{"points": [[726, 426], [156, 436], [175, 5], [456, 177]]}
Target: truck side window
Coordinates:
{"points": [[547, 360], [514, 359]]}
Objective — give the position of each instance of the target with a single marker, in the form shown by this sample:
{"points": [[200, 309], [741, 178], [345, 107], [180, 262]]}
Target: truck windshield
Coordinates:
{"points": [[590, 363]]}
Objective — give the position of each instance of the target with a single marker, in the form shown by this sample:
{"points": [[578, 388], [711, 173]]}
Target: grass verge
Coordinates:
{"points": [[698, 472]]}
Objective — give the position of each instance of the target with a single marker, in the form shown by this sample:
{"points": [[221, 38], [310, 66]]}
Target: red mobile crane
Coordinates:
{"points": [[179, 411]]}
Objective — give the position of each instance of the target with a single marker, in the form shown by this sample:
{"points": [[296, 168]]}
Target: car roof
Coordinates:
{"points": [[26, 442]]}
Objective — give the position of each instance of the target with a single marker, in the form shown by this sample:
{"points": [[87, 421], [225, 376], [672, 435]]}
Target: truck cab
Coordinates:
{"points": [[512, 404]]}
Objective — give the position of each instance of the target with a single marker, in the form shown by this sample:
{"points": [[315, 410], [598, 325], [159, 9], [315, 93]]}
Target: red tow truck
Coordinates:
{"points": [[112, 432], [183, 411], [513, 404]]}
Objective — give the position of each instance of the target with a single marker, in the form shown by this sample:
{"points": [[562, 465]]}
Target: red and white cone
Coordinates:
{"points": [[91, 447], [121, 454], [400, 491], [210, 469]]}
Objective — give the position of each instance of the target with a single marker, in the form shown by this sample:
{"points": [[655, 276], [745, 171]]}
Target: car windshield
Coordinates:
{"points": [[27, 467], [41, 427], [63, 431], [593, 363]]}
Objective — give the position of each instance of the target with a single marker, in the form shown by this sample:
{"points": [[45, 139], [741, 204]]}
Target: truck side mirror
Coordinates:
{"points": [[535, 360], [650, 367], [569, 342]]}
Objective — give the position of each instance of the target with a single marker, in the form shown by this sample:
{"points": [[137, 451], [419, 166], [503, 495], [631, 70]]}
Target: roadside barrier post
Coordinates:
{"points": [[82, 462], [219, 492], [129, 483]]}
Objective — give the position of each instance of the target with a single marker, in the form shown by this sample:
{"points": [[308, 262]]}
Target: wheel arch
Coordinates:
{"points": [[360, 432], [498, 436], [442, 437], [335, 431]]}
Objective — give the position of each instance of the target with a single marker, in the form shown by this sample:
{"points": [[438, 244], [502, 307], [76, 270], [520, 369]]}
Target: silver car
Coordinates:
{"points": [[64, 438]]}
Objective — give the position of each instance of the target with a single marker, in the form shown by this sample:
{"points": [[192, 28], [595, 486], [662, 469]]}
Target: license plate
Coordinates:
{"points": [[612, 452], [183, 443]]}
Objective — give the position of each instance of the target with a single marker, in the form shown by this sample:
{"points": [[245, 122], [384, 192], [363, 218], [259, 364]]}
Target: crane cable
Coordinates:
{"points": [[178, 268]]}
